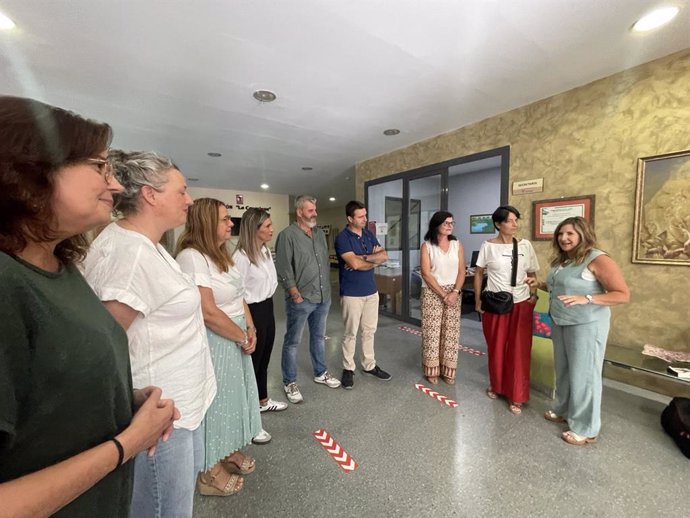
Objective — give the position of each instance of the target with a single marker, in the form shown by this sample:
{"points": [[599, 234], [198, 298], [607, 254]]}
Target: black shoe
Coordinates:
{"points": [[380, 374], [347, 379]]}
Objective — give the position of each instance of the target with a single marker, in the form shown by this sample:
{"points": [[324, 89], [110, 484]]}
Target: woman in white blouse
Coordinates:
{"points": [[254, 262], [233, 419], [508, 335], [144, 289], [443, 274]]}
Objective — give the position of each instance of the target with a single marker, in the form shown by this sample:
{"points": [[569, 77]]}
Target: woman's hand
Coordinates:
{"points": [[532, 282], [451, 298], [573, 300], [151, 422]]}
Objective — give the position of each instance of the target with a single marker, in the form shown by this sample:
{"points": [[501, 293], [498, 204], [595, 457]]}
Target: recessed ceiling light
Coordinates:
{"points": [[6, 23], [264, 186], [331, 198], [192, 179], [391, 132], [307, 168], [265, 96], [655, 19], [214, 154]]}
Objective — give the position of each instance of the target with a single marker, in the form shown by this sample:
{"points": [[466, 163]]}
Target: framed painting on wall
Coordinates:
{"points": [[481, 224], [547, 214], [661, 231]]}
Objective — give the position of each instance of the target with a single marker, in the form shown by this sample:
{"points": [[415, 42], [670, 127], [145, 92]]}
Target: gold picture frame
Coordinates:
{"points": [[661, 231]]}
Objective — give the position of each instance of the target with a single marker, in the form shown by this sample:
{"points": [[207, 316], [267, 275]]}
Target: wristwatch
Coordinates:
{"points": [[590, 299]]}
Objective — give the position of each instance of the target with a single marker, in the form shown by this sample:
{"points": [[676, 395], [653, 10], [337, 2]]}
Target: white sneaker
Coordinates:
{"points": [[327, 379], [273, 406], [293, 394], [263, 437]]}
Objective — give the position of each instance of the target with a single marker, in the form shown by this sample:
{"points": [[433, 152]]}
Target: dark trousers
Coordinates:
{"points": [[265, 323]]}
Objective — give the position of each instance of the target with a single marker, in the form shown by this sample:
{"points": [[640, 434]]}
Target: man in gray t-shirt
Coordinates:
{"points": [[303, 271]]}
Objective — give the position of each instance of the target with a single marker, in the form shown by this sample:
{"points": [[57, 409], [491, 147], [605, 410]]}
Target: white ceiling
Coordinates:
{"points": [[178, 76]]}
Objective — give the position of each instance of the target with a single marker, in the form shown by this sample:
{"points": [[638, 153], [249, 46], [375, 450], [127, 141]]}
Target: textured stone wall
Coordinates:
{"points": [[587, 141]]}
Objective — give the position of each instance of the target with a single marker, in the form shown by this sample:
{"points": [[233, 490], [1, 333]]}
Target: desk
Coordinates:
{"points": [[389, 284]]}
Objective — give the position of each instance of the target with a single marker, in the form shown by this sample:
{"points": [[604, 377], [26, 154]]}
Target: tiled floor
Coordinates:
{"points": [[419, 458]]}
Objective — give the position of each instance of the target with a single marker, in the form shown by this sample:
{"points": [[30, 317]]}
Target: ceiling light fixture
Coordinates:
{"points": [[307, 168], [264, 96], [264, 186], [391, 132], [331, 198], [6, 23], [655, 18], [214, 154]]}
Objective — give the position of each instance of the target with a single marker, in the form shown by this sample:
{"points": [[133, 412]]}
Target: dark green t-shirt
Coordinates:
{"points": [[65, 382]]}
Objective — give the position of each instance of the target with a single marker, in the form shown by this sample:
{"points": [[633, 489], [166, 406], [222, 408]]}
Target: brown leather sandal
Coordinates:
{"points": [[247, 466], [553, 417], [515, 408], [491, 394], [208, 485], [432, 379], [449, 381]]}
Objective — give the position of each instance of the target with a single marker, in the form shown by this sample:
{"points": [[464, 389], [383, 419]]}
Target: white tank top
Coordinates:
{"points": [[444, 265]]}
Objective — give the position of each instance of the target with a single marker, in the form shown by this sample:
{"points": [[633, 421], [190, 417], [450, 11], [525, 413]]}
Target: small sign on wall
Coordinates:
{"points": [[382, 229], [528, 186]]}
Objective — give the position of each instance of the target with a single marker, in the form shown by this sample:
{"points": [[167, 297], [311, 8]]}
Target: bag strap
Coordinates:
{"points": [[513, 273]]}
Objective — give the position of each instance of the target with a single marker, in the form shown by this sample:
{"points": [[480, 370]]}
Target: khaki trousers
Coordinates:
{"points": [[360, 313]]}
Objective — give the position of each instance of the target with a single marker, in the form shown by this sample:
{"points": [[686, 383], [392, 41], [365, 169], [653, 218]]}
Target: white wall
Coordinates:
{"points": [[276, 204]]}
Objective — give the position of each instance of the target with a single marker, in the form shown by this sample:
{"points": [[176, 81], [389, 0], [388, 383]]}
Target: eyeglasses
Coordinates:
{"points": [[449, 223], [104, 166]]}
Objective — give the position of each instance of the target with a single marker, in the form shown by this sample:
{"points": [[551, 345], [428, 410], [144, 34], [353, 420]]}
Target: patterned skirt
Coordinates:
{"points": [[233, 418]]}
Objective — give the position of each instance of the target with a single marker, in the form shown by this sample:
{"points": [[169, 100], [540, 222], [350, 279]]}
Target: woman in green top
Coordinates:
{"points": [[583, 282], [66, 401]]}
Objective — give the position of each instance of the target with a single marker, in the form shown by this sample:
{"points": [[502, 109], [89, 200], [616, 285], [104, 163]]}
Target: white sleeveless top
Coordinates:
{"points": [[444, 265]]}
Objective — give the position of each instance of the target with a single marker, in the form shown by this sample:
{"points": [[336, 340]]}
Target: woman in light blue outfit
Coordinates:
{"points": [[233, 419], [583, 282]]}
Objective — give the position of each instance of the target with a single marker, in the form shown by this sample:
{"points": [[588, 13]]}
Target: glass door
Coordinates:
{"points": [[424, 199]]}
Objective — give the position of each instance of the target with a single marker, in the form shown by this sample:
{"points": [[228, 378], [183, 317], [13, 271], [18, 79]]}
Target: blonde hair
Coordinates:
{"points": [[252, 220], [201, 233], [588, 240]]}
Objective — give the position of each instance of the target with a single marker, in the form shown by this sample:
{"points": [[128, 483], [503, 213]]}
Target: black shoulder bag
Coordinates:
{"points": [[501, 302]]}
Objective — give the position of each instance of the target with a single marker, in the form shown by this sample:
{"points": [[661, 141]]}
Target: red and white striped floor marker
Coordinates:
{"points": [[340, 456], [436, 395], [462, 348]]}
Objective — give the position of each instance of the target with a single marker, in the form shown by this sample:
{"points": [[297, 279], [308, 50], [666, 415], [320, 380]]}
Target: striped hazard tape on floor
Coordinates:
{"points": [[436, 395], [340, 456], [461, 347]]}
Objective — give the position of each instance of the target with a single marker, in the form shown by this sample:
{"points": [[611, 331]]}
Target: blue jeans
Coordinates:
{"points": [[297, 315], [164, 484]]}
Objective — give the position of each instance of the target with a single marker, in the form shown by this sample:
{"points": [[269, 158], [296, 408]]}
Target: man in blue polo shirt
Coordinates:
{"points": [[359, 252]]}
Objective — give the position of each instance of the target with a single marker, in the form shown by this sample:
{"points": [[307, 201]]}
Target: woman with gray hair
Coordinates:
{"points": [[160, 308]]}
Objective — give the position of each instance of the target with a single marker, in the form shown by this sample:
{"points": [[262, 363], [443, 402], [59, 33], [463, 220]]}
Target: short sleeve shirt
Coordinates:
{"points": [[355, 283], [227, 287], [167, 341], [496, 259], [65, 383]]}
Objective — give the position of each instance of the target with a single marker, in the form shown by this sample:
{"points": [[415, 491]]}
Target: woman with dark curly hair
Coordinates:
{"points": [[67, 427]]}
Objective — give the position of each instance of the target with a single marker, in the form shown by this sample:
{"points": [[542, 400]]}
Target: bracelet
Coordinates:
{"points": [[456, 290], [251, 328], [120, 452]]}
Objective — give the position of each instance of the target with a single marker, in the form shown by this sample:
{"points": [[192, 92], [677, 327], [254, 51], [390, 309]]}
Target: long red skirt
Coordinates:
{"points": [[509, 340]]}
